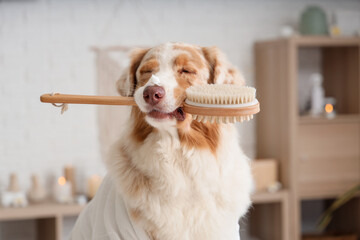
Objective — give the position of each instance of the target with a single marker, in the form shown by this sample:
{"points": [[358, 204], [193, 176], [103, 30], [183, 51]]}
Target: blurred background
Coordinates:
{"points": [[301, 55]]}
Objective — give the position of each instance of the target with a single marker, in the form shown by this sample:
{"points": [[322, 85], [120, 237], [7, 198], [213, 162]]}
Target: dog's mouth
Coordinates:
{"points": [[178, 114]]}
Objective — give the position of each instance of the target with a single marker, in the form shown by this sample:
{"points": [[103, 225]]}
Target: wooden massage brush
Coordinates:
{"points": [[221, 103]]}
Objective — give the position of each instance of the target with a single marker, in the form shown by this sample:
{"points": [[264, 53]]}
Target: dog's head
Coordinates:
{"points": [[158, 77]]}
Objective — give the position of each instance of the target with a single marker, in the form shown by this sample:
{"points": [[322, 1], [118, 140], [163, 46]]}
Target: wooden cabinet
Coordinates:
{"points": [[328, 158], [319, 157]]}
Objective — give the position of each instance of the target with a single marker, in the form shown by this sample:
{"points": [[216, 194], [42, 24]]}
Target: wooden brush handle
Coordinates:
{"points": [[86, 99], [218, 111], [129, 101]]}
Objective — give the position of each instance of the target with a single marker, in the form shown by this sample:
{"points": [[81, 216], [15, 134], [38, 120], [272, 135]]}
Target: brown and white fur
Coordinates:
{"points": [[181, 179]]}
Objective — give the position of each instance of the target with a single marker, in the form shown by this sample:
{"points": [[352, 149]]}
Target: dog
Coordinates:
{"points": [[178, 178]]}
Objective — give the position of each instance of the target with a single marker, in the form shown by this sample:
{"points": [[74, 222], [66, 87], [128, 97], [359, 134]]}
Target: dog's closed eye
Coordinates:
{"points": [[187, 71], [150, 66], [145, 71]]}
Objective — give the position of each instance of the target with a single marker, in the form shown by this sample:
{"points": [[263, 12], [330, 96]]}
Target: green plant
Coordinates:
{"points": [[327, 216]]}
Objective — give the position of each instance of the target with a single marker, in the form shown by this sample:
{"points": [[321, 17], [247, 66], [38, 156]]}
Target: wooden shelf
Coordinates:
{"points": [[323, 195], [266, 197], [45, 210], [324, 41], [48, 217], [316, 41], [269, 217], [343, 118]]}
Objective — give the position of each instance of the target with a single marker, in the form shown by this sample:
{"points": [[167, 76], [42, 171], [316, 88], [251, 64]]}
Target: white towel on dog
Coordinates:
{"points": [[107, 218]]}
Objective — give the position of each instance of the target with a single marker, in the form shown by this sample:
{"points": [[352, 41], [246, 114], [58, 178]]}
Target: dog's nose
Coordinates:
{"points": [[153, 94]]}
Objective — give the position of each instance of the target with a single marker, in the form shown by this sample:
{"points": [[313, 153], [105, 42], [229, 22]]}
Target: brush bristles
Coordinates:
{"points": [[220, 94], [222, 119]]}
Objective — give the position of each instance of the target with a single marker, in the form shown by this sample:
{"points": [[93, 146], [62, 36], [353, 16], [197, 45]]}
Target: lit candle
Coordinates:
{"points": [[329, 107], [94, 183], [63, 192]]}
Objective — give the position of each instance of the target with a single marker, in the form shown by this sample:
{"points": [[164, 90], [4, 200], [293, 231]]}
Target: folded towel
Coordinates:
{"points": [[107, 217]]}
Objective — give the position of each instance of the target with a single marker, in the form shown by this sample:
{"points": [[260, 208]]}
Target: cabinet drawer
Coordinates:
{"points": [[328, 158]]}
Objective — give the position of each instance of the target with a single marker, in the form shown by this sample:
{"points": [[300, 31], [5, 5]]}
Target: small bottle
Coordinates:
{"points": [[335, 31], [317, 95]]}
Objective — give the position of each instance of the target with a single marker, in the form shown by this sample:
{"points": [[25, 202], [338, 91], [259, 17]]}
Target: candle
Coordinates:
{"points": [[13, 199], [63, 192], [69, 173], [94, 183], [329, 107], [13, 196]]}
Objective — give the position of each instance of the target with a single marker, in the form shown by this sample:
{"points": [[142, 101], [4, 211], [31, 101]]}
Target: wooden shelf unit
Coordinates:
{"points": [[48, 216], [319, 157], [269, 216]]}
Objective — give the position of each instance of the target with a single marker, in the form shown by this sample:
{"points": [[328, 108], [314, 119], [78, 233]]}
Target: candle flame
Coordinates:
{"points": [[61, 181], [329, 108]]}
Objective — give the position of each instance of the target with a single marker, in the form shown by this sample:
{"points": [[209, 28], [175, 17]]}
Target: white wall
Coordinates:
{"points": [[44, 47]]}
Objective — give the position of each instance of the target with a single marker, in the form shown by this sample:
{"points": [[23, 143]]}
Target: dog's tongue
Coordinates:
{"points": [[179, 114]]}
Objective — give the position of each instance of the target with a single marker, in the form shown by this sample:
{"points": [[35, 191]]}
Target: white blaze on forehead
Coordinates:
{"points": [[155, 80]]}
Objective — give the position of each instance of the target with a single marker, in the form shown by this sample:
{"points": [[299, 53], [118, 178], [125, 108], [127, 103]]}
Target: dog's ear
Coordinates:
{"points": [[126, 84], [221, 71]]}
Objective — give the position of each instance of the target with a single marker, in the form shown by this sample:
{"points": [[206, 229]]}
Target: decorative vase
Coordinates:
{"points": [[317, 94], [313, 21], [37, 193]]}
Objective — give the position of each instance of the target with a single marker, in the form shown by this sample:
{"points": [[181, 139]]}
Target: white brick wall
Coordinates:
{"points": [[44, 47]]}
